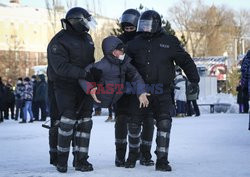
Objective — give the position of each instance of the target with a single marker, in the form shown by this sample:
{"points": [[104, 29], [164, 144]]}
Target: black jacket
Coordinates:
{"points": [[41, 89], [113, 74], [2, 95], [242, 96], [10, 96], [68, 55], [156, 57]]}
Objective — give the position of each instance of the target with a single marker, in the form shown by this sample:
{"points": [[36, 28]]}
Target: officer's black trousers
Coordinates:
{"points": [[141, 139], [75, 110], [160, 107], [54, 120]]}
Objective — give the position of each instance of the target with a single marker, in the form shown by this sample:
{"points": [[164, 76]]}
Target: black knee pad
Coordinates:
{"points": [[66, 127], [86, 125], [164, 125], [121, 121], [134, 129]]}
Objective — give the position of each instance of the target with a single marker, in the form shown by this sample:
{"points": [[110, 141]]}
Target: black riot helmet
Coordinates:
{"points": [[78, 20], [130, 18], [149, 22]]}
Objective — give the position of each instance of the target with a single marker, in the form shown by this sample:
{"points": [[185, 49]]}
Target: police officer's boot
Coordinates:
{"points": [[61, 169], [83, 165], [53, 159], [65, 132], [120, 140], [53, 133], [119, 162], [121, 146], [131, 161], [82, 137], [162, 141], [162, 165], [145, 159], [134, 132], [146, 143]]}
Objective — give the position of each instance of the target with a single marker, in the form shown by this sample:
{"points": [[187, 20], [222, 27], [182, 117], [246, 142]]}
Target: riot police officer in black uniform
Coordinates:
{"points": [[128, 23], [69, 52], [155, 54]]}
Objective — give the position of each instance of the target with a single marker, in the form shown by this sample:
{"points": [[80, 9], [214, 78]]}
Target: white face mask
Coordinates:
{"points": [[19, 82], [121, 57]]}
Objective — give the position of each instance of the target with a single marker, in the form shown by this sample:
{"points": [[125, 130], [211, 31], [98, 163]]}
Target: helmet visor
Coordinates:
{"points": [[89, 23], [146, 26], [129, 18]]}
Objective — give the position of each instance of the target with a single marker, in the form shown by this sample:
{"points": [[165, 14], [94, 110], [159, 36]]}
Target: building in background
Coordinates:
{"points": [[216, 66], [25, 33]]}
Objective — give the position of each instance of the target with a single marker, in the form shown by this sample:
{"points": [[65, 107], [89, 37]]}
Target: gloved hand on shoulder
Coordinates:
{"points": [[94, 75]]}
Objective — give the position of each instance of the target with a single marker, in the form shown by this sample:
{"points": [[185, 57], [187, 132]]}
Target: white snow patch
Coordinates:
{"points": [[212, 145]]}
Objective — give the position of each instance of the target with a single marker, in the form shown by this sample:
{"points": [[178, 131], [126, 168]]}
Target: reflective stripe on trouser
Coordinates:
{"points": [[162, 139], [134, 134], [82, 137], [65, 134]]}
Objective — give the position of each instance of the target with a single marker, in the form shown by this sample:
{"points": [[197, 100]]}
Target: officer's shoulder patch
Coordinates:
{"points": [[54, 48], [166, 46]]}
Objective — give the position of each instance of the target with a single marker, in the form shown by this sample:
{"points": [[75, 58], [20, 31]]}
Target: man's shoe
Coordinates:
{"points": [[23, 121], [84, 166], [53, 162], [146, 162], [61, 169], [130, 164], [131, 161], [31, 121], [119, 163], [162, 165], [98, 113]]}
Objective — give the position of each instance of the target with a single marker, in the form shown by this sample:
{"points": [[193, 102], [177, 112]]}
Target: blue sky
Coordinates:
{"points": [[114, 8]]}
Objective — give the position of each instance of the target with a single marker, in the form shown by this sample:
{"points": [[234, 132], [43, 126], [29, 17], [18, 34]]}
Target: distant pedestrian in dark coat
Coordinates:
{"points": [[19, 94]]}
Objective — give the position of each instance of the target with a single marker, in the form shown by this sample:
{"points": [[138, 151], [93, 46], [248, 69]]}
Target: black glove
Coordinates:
{"points": [[96, 73], [89, 77], [193, 88]]}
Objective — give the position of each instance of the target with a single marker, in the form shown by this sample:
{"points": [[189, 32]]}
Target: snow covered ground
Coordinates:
{"points": [[213, 145]]}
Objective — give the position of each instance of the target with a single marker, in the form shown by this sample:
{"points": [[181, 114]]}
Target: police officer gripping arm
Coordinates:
{"points": [[69, 52], [128, 23], [154, 55]]}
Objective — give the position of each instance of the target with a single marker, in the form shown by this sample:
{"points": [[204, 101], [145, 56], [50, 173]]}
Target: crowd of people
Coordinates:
{"points": [[24, 100]]}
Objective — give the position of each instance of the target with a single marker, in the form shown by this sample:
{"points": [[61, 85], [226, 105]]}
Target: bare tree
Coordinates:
{"points": [[243, 30], [208, 29], [182, 15], [71, 3], [55, 10]]}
